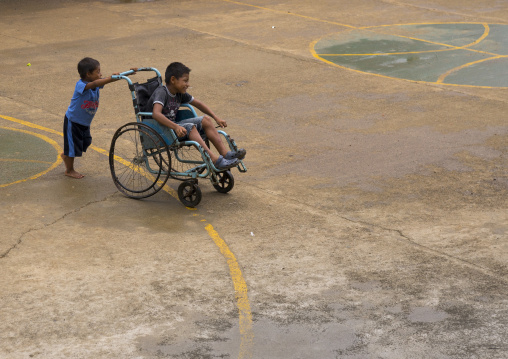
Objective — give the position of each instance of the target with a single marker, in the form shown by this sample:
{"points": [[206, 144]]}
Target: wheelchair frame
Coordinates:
{"points": [[151, 154]]}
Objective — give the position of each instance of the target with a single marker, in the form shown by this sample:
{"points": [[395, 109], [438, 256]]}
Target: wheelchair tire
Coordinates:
{"points": [[226, 182], [139, 160], [189, 193]]}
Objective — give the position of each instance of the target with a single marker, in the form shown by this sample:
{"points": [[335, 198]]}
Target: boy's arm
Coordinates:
{"points": [[207, 110], [104, 81], [100, 82], [163, 120]]}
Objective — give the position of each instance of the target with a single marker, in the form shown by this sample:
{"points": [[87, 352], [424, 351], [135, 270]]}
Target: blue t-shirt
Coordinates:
{"points": [[84, 104]]}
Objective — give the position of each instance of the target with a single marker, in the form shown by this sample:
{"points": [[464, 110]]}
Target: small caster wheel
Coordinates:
{"points": [[226, 181], [189, 194]]}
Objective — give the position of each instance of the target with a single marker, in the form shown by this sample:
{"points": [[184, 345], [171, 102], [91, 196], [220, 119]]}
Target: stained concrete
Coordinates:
{"points": [[372, 222]]}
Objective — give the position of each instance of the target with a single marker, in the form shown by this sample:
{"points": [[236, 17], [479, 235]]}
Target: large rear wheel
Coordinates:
{"points": [[139, 160]]}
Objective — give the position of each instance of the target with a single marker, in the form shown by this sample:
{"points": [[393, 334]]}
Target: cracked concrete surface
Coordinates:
{"points": [[372, 222]]}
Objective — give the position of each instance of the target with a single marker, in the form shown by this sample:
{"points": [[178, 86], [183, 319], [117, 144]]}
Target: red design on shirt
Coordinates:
{"points": [[90, 104]]}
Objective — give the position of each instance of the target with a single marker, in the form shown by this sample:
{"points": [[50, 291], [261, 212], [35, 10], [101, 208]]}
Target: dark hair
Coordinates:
{"points": [[176, 69], [86, 66]]}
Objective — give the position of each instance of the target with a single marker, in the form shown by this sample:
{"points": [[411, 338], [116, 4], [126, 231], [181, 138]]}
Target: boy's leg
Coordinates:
{"points": [[70, 149], [218, 161], [69, 167], [194, 136], [214, 137]]}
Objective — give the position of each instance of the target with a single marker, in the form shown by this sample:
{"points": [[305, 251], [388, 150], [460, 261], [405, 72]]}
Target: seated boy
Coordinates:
{"points": [[165, 102]]}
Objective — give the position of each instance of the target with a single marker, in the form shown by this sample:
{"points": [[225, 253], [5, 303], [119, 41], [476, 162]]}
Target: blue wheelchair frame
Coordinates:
{"points": [[197, 169]]}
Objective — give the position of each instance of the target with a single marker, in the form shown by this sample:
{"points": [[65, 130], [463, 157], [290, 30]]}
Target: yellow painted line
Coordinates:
{"points": [[42, 137], [368, 28], [317, 56], [443, 76], [290, 13], [427, 23], [485, 34], [32, 125], [388, 53], [480, 39], [441, 44], [452, 47], [449, 47], [242, 299], [239, 284]]}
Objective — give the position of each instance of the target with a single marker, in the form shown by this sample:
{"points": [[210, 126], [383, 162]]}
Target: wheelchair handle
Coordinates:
{"points": [[123, 75]]}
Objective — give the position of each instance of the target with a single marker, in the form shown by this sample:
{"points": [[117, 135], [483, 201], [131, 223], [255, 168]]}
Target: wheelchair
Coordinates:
{"points": [[142, 157]]}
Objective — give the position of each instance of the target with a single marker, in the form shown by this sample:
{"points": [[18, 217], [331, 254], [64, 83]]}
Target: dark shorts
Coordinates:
{"points": [[77, 138], [188, 124]]}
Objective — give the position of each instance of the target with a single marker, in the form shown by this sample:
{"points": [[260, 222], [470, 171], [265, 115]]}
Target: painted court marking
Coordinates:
{"points": [[440, 53], [240, 286], [52, 165], [447, 62]]}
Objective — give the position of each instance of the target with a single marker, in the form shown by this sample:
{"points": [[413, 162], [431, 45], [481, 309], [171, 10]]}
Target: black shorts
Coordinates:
{"points": [[77, 138]]}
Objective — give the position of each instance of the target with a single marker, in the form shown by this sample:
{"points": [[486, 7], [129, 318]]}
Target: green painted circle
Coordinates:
{"points": [[469, 54], [23, 155]]}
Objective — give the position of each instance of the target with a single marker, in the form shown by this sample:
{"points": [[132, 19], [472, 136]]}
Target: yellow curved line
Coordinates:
{"points": [[477, 41], [425, 23], [240, 286], [44, 138], [317, 56], [446, 74], [388, 53], [313, 52], [451, 47], [30, 124], [485, 34], [291, 13], [242, 298]]}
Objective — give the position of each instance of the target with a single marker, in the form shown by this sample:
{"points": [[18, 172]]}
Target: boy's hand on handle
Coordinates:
{"points": [[135, 69], [222, 123]]}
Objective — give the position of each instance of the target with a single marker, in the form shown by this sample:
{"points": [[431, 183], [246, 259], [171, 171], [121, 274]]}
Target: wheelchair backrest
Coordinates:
{"points": [[144, 91]]}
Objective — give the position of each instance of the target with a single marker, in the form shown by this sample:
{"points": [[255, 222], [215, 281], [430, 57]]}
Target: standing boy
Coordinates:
{"points": [[165, 102], [81, 111]]}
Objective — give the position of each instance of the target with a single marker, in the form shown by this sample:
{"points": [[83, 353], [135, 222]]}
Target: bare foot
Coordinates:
{"points": [[69, 167], [74, 174]]}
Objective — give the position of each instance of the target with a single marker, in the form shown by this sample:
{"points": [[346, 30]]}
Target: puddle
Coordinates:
{"points": [[271, 341]]}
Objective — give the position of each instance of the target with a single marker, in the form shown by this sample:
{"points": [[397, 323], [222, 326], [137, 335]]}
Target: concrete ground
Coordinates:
{"points": [[372, 221]]}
